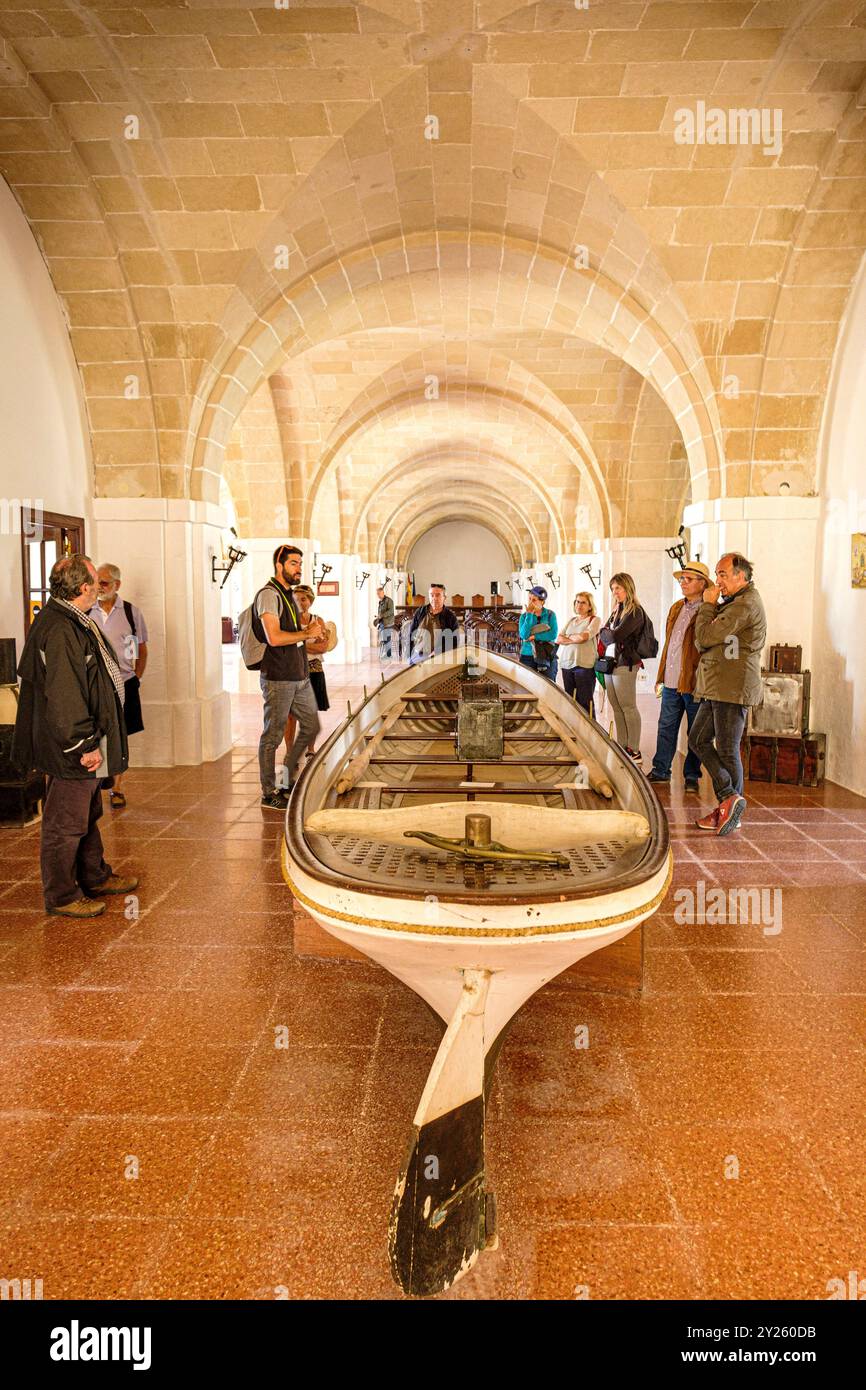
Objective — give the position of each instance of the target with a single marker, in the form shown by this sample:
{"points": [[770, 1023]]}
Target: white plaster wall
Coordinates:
{"points": [[644, 558], [839, 663], [44, 458], [463, 556], [164, 548], [779, 536]]}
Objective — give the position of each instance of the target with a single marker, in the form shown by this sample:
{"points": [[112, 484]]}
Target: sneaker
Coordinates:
{"points": [[730, 812], [276, 801], [83, 907], [710, 822], [635, 754], [692, 784], [113, 884], [657, 777]]}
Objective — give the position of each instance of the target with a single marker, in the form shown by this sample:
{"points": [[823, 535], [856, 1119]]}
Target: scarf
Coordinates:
{"points": [[105, 650]]}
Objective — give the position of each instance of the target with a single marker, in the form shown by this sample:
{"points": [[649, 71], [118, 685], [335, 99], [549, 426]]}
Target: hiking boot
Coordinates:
{"points": [[81, 908], [730, 813], [276, 801], [113, 884], [692, 784], [710, 822], [657, 777]]}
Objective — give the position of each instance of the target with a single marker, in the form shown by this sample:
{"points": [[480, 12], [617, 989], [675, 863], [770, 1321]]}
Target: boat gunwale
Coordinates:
{"points": [[299, 849]]}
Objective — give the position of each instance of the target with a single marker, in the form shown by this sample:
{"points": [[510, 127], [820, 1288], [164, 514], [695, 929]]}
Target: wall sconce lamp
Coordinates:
{"points": [[518, 581], [677, 552], [594, 579], [361, 579], [320, 574], [236, 555], [554, 578]]}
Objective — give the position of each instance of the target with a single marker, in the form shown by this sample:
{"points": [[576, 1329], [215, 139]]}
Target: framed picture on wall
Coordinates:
{"points": [[858, 560]]}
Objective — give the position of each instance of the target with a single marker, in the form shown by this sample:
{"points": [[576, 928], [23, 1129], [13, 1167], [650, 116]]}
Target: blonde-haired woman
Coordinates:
{"points": [[620, 636], [578, 651]]}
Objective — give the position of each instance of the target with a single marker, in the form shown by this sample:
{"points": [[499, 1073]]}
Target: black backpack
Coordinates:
{"points": [[647, 645]]}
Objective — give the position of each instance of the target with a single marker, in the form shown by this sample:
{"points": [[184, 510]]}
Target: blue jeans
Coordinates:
{"points": [[715, 737], [674, 706]]}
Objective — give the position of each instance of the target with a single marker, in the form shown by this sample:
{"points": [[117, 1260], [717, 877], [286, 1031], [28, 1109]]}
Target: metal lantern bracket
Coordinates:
{"points": [[554, 578], [361, 579], [594, 579], [236, 555], [320, 574], [678, 552]]}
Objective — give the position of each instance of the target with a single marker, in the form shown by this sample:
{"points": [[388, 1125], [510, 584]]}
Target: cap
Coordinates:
{"points": [[538, 591]]}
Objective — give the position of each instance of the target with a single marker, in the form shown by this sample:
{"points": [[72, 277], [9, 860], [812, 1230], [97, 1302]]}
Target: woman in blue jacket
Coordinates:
{"points": [[538, 624]]}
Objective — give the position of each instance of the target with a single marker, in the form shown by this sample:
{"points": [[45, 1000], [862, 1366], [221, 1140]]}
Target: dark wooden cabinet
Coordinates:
{"points": [[796, 762]]}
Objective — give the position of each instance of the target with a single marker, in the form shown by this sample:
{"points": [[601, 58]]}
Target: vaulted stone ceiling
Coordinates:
{"points": [[552, 315]]}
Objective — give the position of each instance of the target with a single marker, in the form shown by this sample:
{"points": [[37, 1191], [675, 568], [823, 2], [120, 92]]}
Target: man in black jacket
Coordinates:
{"points": [[70, 726], [434, 627]]}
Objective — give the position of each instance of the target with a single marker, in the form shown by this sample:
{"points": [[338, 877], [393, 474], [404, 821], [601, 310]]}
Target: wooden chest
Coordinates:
{"points": [[797, 762]]}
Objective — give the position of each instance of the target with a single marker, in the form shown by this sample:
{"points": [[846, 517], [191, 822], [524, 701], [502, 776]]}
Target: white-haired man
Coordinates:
{"points": [[126, 630]]}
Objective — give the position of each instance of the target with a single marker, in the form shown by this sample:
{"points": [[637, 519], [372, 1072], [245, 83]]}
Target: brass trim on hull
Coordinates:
{"points": [[427, 930]]}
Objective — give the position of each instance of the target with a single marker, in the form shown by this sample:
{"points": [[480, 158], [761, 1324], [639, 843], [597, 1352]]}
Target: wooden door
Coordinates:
{"points": [[45, 538]]}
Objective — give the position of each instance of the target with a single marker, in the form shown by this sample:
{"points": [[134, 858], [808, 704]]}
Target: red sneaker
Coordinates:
{"points": [[730, 812], [710, 822]]}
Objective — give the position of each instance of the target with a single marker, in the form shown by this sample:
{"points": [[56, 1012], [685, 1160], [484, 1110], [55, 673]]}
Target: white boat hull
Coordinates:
{"points": [[522, 948], [474, 953]]}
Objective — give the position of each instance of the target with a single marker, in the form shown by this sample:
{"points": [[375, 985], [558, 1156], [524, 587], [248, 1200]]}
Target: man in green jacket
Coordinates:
{"points": [[730, 636]]}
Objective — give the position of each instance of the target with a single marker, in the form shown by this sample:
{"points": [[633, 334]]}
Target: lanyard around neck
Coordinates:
{"points": [[290, 606]]}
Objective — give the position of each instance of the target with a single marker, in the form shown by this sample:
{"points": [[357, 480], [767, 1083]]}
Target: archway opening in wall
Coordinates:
{"points": [[465, 556]]}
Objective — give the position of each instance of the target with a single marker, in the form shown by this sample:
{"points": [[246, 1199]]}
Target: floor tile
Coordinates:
{"points": [[268, 1170]]}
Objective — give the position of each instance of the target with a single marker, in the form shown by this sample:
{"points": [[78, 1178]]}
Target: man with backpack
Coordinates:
{"points": [[126, 630], [277, 652]]}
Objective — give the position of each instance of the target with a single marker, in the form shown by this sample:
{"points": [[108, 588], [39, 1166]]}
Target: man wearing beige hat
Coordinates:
{"points": [[677, 673]]}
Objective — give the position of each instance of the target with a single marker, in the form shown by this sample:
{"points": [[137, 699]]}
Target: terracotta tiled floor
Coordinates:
{"points": [[148, 1046]]}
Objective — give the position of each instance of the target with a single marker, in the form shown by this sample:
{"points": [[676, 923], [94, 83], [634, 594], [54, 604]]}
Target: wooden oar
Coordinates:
{"points": [[598, 778], [442, 1217], [350, 774]]}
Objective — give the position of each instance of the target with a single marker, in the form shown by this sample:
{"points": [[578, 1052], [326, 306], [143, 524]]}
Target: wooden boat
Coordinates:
{"points": [[474, 832]]}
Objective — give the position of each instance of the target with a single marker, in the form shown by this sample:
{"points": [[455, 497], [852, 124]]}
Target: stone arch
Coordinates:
{"points": [[318, 307], [505, 466], [408, 509], [565, 432], [438, 514]]}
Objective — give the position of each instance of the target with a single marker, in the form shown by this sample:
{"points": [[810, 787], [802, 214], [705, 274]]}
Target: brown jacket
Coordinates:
{"points": [[730, 638], [691, 655]]}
